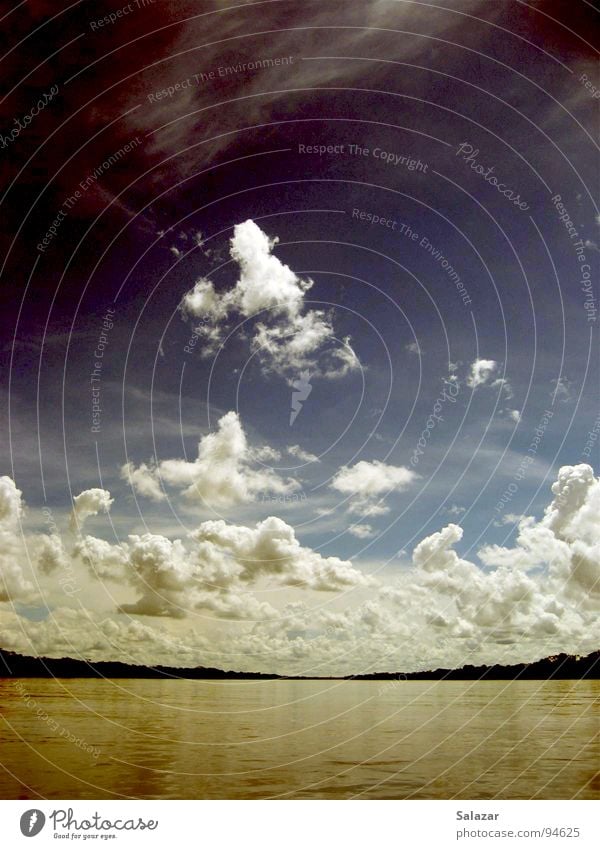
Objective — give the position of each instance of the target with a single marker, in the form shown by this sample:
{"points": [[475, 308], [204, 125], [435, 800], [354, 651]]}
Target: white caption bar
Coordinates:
{"points": [[294, 824]]}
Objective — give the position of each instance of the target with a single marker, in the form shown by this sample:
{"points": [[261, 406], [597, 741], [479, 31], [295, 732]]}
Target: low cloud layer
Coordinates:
{"points": [[537, 597], [215, 568]]}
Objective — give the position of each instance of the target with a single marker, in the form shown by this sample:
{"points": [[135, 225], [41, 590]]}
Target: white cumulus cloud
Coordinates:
{"points": [[13, 584], [143, 480], [287, 336], [368, 482], [226, 472], [480, 372], [361, 531], [537, 597], [271, 549], [301, 454], [89, 503]]}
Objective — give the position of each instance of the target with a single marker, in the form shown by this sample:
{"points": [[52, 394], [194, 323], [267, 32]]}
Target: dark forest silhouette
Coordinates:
{"points": [[561, 666]]}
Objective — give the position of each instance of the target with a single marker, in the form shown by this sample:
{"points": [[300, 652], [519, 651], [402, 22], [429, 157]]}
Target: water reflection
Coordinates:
{"points": [[302, 739]]}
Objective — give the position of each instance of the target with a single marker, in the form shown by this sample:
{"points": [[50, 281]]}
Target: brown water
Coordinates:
{"points": [[302, 739]]}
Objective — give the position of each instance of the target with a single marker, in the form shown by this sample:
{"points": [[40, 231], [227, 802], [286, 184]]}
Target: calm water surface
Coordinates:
{"points": [[298, 739]]}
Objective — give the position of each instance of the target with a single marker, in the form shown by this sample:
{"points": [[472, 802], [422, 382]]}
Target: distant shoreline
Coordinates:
{"points": [[562, 667]]}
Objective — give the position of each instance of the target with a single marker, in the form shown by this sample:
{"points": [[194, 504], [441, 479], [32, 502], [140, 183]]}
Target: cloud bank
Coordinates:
{"points": [[537, 597]]}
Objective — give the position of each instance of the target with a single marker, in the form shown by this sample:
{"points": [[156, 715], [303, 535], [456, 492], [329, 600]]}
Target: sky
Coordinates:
{"points": [[299, 333]]}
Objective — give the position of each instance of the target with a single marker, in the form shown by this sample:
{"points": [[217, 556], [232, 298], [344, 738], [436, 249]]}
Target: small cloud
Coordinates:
{"points": [[368, 482], [361, 531], [200, 241], [89, 503], [480, 373], [513, 415], [414, 348], [562, 389], [455, 510], [501, 383], [510, 519], [305, 456], [176, 252], [266, 454], [143, 480]]}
